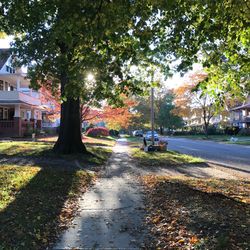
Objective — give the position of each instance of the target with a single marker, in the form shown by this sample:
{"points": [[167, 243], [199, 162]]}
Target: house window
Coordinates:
{"points": [[10, 69], [1, 85]]}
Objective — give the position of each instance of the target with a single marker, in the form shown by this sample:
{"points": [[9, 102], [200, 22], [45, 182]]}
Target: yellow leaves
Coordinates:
{"points": [[181, 241], [156, 219]]}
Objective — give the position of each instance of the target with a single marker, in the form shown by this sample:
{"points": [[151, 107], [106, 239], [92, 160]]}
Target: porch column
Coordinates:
{"points": [[18, 84], [32, 118], [17, 121], [39, 119]]}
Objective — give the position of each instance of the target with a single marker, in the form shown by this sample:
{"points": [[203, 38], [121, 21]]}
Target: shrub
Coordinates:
{"points": [[98, 131], [232, 130], [244, 132], [113, 132], [29, 130], [189, 132], [212, 130]]}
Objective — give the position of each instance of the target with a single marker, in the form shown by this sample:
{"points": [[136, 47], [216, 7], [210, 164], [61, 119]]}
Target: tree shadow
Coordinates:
{"points": [[43, 153], [221, 222], [34, 217]]}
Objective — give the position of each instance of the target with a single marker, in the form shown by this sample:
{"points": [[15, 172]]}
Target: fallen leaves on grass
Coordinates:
{"points": [[189, 213], [38, 204]]}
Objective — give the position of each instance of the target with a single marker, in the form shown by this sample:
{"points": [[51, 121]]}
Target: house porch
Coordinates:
{"points": [[18, 119]]}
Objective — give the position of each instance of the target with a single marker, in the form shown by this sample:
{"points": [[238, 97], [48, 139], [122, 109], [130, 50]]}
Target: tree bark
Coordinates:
{"points": [[70, 137], [206, 129]]}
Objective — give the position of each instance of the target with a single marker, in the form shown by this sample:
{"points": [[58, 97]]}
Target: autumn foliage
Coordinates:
{"points": [[187, 101], [191, 102], [50, 102], [96, 132], [115, 117]]}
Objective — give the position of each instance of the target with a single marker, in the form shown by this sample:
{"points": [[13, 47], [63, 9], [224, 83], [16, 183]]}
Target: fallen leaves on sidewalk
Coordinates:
{"points": [[191, 213]]}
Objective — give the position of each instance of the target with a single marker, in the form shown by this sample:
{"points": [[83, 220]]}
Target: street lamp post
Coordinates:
{"points": [[152, 112]]}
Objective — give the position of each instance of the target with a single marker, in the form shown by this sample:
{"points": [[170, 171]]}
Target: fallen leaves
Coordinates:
{"points": [[190, 213]]}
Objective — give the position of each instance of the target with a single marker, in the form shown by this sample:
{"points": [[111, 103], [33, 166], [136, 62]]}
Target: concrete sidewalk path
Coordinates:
{"points": [[111, 212]]}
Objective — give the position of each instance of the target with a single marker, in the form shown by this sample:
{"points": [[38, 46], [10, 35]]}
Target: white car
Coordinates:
{"points": [[148, 136], [138, 133]]}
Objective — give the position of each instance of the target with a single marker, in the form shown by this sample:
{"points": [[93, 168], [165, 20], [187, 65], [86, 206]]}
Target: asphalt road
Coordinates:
{"points": [[233, 156]]}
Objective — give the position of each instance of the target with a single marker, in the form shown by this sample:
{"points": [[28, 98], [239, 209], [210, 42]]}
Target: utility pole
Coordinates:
{"points": [[152, 111]]}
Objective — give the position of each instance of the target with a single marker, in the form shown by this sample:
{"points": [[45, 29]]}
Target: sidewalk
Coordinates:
{"points": [[112, 212]]}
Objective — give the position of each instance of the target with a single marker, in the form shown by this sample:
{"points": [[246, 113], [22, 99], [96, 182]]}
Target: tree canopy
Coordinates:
{"points": [[64, 41]]}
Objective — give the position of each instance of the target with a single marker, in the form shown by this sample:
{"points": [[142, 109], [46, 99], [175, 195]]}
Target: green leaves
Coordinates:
{"points": [[77, 36]]}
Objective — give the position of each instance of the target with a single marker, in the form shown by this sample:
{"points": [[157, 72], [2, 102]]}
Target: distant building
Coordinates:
{"points": [[196, 120], [240, 115], [21, 108]]}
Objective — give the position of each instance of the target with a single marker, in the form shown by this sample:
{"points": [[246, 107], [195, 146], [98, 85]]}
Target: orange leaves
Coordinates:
{"points": [[189, 213], [186, 99], [50, 102], [193, 240], [117, 118]]}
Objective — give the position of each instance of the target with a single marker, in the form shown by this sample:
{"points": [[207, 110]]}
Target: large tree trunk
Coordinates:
{"points": [[70, 137]]}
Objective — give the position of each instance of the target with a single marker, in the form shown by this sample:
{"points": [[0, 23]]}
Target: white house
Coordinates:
{"points": [[240, 115], [20, 106]]}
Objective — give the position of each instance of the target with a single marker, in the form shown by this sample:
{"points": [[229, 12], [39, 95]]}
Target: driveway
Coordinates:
{"points": [[233, 156]]}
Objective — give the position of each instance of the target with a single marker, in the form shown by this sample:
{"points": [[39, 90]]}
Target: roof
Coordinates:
{"points": [[13, 102], [246, 105], [4, 55]]}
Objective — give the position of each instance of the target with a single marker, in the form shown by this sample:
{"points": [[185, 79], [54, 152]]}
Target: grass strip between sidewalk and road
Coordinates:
{"points": [[240, 140], [158, 159], [193, 213]]}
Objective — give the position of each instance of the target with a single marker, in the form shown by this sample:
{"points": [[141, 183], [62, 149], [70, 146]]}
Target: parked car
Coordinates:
{"points": [[138, 133], [148, 136]]}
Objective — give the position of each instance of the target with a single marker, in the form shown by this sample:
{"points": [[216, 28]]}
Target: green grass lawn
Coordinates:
{"points": [[245, 142], [38, 201], [168, 158], [44, 150]]}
